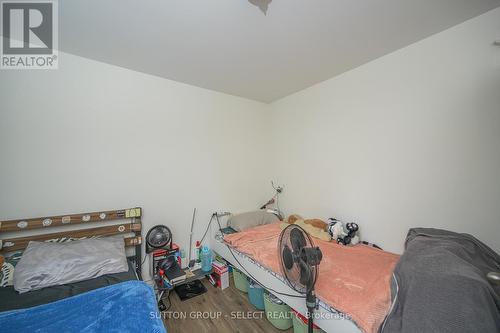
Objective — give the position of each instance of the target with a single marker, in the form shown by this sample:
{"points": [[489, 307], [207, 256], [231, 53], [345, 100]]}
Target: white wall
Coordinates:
{"points": [[411, 139], [92, 136]]}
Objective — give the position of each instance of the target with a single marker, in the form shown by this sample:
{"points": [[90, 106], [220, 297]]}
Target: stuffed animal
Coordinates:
{"points": [[314, 227], [292, 218], [1, 261], [343, 234], [316, 223], [335, 229]]}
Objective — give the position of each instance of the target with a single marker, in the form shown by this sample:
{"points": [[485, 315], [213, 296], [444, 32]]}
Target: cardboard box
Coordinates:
{"points": [[220, 275], [218, 267]]}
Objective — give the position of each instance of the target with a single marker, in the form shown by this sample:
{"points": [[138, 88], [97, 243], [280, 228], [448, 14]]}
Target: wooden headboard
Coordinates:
{"points": [[132, 216]]}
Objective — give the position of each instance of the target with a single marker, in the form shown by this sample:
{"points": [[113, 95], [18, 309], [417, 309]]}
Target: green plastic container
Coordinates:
{"points": [[300, 324], [240, 280], [277, 312]]}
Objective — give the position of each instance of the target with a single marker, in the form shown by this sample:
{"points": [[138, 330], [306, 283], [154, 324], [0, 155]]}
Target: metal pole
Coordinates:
{"points": [[191, 235]]}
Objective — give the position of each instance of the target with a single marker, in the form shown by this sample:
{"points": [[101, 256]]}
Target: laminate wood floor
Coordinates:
{"points": [[221, 311]]}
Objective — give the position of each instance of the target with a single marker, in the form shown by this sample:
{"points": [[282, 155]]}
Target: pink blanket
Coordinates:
{"points": [[352, 279]]}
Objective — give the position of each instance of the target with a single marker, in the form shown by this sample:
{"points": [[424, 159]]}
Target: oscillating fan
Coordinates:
{"points": [[299, 260], [158, 237]]}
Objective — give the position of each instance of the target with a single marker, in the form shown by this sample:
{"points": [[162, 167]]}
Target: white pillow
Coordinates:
{"points": [[248, 220], [46, 264]]}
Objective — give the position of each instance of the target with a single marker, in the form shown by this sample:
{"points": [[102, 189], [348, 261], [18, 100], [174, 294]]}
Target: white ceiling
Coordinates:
{"points": [[232, 47]]}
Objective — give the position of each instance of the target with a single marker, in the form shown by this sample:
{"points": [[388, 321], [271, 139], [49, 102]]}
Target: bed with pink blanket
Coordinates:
{"points": [[354, 280]]}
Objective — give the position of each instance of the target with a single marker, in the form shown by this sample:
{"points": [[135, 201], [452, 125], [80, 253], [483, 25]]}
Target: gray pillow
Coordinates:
{"points": [[251, 219], [46, 264]]}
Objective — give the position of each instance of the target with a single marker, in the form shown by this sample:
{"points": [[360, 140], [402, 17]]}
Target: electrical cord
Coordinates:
{"points": [[144, 260], [208, 226], [169, 302], [163, 297], [248, 273]]}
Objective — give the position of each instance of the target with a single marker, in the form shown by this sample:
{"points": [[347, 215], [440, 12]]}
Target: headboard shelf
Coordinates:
{"points": [[20, 243], [62, 220]]}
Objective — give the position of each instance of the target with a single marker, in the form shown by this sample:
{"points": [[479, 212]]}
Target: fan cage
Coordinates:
{"points": [[165, 230], [292, 276]]}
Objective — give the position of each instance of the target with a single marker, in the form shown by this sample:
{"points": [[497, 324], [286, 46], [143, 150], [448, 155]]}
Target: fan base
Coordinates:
{"points": [[311, 306]]}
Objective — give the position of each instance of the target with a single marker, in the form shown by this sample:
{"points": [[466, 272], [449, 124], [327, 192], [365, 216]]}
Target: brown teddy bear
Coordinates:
{"points": [[315, 227]]}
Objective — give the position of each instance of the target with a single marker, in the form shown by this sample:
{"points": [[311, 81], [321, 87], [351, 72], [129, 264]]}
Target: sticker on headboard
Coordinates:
{"points": [[86, 218], [102, 216], [121, 228], [68, 239], [134, 212], [8, 244], [22, 224], [46, 222], [66, 219]]}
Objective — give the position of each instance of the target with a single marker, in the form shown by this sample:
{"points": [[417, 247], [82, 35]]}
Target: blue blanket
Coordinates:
{"points": [[124, 307]]}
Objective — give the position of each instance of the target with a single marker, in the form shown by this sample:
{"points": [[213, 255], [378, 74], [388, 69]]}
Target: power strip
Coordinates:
{"points": [[222, 214]]}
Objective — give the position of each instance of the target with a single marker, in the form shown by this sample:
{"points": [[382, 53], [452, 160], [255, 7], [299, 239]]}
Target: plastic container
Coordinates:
{"points": [[300, 324], [255, 294], [240, 280], [184, 261], [206, 259], [277, 312], [197, 251]]}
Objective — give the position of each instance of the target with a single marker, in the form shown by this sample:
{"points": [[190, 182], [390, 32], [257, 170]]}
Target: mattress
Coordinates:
{"points": [[12, 300], [354, 280]]}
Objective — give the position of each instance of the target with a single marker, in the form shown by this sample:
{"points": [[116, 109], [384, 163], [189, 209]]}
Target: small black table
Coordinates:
{"points": [[197, 275]]}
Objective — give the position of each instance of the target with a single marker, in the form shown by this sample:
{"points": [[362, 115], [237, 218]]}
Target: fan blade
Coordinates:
{"points": [[287, 257], [305, 273], [297, 240]]}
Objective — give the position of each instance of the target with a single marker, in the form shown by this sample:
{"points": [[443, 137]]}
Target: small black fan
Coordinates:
{"points": [[299, 260], [158, 237]]}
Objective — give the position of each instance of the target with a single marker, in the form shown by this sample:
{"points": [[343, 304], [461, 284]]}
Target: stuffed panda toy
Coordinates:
{"points": [[343, 234]]}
